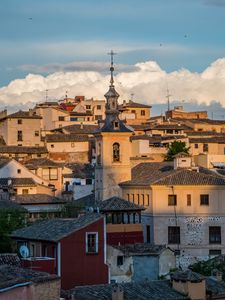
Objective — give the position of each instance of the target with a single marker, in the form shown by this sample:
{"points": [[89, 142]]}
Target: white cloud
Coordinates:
{"points": [[147, 81]]}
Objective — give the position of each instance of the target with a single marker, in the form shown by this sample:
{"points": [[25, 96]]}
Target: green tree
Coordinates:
{"points": [[71, 210], [174, 148], [10, 220]]}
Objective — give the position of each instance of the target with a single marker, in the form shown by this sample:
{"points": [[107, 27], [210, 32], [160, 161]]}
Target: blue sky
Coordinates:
{"points": [[174, 33]]}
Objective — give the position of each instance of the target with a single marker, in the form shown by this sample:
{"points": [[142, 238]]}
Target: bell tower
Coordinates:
{"points": [[113, 147]]}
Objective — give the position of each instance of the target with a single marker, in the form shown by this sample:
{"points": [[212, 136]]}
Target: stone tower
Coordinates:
{"points": [[113, 148]]}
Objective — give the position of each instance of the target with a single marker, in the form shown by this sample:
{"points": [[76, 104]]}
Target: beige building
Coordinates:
{"points": [[185, 207], [179, 113], [21, 129], [207, 145], [206, 125], [134, 113]]}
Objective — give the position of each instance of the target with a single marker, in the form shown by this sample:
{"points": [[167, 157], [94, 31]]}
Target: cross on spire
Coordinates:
{"points": [[112, 53]]}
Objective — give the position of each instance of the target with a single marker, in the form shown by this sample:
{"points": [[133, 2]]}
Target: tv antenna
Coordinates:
{"points": [[168, 95]]}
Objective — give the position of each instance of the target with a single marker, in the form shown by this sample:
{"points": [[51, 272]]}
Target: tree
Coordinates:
{"points": [[174, 148], [71, 210], [10, 220]]}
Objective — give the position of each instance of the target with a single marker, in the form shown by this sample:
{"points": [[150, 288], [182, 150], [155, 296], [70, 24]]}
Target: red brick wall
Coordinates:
{"points": [[79, 268]]}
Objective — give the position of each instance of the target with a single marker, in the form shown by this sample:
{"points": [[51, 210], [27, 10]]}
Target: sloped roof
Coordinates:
{"points": [[35, 163], [142, 249], [12, 275], [154, 290], [11, 259], [7, 204], [72, 137], [23, 149], [208, 140], [4, 182], [37, 199], [111, 204], [22, 115], [163, 173], [78, 129], [55, 229], [132, 104], [187, 275]]}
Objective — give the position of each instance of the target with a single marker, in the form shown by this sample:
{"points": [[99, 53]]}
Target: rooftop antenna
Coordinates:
{"points": [[46, 95], [66, 96], [111, 53]]}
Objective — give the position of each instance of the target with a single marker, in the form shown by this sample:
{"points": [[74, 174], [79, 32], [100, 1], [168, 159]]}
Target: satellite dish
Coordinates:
{"points": [[24, 251]]}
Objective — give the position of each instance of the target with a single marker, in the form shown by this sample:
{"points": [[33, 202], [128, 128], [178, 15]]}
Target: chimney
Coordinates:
{"points": [[117, 292], [189, 283]]}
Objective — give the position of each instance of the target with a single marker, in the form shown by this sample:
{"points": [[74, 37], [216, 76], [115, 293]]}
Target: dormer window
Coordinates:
{"points": [[116, 125], [116, 152]]}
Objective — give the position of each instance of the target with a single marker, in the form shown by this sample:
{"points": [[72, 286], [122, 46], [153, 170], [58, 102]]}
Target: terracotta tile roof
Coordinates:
{"points": [[187, 275], [7, 204], [111, 204], [170, 126], [142, 249], [37, 199], [132, 104], [208, 140], [36, 163], [55, 229], [146, 174], [206, 121], [22, 115], [23, 149], [80, 170], [76, 128], [12, 275], [154, 290], [11, 259], [5, 182], [72, 137], [4, 161]]}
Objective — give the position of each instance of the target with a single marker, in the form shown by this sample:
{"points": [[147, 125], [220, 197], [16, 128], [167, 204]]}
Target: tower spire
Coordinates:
{"points": [[112, 53]]}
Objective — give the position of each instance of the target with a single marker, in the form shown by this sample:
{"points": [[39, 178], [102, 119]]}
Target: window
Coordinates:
{"points": [[172, 200], [18, 171], [50, 174], [98, 117], [72, 145], [138, 197], [214, 234], [148, 234], [143, 199], [120, 260], [99, 107], [25, 191], [142, 112], [88, 181], [196, 146], [116, 124], [52, 146], [204, 199], [173, 235], [148, 200], [19, 121], [61, 118], [132, 198], [88, 106], [133, 111], [116, 152], [91, 242], [19, 135], [128, 197], [188, 199], [36, 133], [214, 252], [205, 147]]}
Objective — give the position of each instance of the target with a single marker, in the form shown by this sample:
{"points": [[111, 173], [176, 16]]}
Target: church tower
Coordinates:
{"points": [[113, 148]]}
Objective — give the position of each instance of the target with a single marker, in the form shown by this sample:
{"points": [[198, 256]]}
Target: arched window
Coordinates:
{"points": [[116, 152]]}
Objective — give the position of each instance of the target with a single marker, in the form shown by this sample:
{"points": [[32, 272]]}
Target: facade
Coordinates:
{"points": [[179, 113], [137, 262], [134, 113], [185, 209], [21, 129], [207, 145], [76, 247]]}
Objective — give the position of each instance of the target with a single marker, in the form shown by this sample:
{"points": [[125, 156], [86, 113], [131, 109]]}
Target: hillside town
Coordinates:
{"points": [[101, 200]]}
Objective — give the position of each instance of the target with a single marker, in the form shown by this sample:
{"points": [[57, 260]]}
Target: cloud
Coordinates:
{"points": [[146, 80], [76, 67]]}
